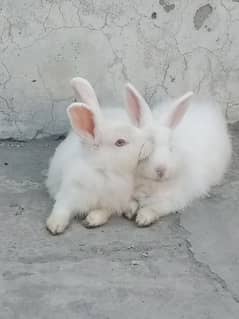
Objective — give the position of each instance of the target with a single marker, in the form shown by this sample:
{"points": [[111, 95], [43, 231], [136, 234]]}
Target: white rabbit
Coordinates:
{"points": [[92, 170], [192, 150]]}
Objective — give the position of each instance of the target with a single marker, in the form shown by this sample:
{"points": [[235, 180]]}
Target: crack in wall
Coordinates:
{"points": [[9, 76], [57, 16], [11, 114]]}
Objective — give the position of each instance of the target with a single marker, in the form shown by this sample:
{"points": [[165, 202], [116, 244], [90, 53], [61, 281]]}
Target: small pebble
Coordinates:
{"points": [[19, 211], [145, 254]]}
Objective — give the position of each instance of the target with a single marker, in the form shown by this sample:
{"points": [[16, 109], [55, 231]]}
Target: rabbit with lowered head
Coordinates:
{"points": [[92, 170], [192, 150]]}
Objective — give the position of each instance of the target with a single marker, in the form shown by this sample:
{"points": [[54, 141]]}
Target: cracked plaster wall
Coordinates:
{"points": [[164, 47]]}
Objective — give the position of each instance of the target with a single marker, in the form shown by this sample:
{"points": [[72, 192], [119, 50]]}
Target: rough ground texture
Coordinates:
{"points": [[185, 266], [165, 47]]}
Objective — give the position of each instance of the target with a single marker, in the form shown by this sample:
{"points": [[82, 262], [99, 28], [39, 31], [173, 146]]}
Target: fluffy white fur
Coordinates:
{"points": [[89, 174], [192, 150]]}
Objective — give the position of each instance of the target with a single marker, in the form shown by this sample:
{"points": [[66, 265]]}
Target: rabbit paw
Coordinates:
{"points": [[130, 213], [96, 218], [145, 217], [57, 223]]}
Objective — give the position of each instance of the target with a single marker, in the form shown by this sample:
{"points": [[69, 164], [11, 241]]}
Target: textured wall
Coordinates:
{"points": [[164, 47]]}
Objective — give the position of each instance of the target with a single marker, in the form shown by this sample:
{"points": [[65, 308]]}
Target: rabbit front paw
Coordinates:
{"points": [[96, 218], [57, 223], [146, 217], [130, 213]]}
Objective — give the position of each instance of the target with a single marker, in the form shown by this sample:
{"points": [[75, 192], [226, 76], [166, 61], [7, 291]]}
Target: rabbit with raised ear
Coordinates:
{"points": [[192, 150], [92, 170]]}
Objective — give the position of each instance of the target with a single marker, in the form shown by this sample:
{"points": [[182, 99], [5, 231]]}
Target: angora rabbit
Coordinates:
{"points": [[92, 170], [192, 150]]}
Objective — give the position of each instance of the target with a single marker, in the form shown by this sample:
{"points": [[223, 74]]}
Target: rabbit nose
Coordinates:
{"points": [[160, 171]]}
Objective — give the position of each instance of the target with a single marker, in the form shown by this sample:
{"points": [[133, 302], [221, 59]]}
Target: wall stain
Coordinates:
{"points": [[8, 275], [201, 15], [167, 7], [206, 27], [154, 15]]}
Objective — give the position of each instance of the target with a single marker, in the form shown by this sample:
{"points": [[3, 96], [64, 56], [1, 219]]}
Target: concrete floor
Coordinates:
{"points": [[186, 266]]}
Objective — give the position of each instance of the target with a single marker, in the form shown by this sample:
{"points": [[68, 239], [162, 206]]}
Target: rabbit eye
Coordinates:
{"points": [[120, 142]]}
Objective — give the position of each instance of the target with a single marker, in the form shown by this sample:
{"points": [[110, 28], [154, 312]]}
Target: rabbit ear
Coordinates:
{"points": [[84, 91], [83, 121], [181, 106], [138, 110]]}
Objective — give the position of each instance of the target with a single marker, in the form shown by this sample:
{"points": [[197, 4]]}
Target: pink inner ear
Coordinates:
{"points": [[83, 120], [182, 105], [178, 114], [134, 107]]}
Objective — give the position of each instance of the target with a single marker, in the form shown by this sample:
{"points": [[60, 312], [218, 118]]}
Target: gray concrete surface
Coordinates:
{"points": [[186, 266], [165, 47]]}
